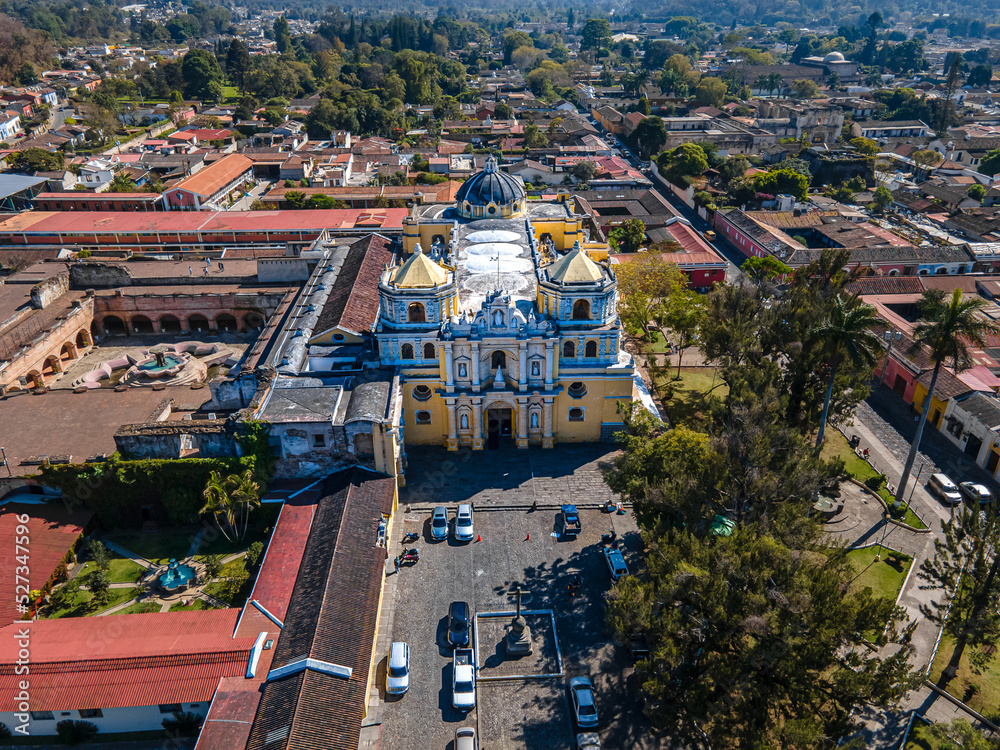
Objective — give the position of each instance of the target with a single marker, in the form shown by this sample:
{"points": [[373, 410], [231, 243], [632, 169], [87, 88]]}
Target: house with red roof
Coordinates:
{"points": [[210, 185]]}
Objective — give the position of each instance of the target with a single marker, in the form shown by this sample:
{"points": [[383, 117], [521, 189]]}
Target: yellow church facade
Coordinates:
{"points": [[505, 329]]}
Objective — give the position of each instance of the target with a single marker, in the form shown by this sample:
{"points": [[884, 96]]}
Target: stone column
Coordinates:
{"points": [[522, 380], [549, 345], [477, 424], [452, 442], [547, 439], [522, 422], [448, 366], [474, 355]]}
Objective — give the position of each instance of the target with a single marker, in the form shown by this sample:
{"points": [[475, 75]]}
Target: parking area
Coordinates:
{"points": [[517, 547]]}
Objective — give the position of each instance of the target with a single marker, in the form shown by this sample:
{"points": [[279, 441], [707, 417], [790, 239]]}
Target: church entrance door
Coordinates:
{"points": [[499, 428]]}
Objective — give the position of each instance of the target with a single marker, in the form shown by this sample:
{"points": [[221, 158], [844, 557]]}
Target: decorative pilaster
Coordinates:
{"points": [[477, 423], [522, 422], [449, 366], [549, 345], [522, 381], [475, 365], [548, 441], [452, 441]]}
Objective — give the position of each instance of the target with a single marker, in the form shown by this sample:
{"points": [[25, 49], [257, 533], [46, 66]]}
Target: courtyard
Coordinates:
{"points": [[518, 545]]}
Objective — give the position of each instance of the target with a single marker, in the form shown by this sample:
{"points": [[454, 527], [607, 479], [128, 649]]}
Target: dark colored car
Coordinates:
{"points": [[458, 624]]}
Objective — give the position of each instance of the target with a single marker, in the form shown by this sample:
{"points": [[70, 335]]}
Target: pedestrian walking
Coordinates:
{"points": [[190, 272], [395, 564]]}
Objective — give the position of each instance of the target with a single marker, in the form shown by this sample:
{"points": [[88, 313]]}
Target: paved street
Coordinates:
{"points": [[518, 546]]}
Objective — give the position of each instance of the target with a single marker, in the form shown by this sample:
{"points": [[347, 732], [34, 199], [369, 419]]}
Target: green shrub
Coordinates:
{"points": [[73, 732], [184, 724], [254, 554], [873, 483]]}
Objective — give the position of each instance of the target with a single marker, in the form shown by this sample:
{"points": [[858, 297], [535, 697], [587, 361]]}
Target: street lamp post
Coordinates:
{"points": [[889, 336]]}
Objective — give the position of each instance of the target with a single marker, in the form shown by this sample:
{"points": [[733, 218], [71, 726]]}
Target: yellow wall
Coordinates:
{"points": [[327, 338], [424, 434], [564, 231], [425, 233], [919, 394]]}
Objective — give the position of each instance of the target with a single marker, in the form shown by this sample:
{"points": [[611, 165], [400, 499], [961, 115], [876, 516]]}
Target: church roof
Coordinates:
{"points": [[491, 186], [575, 266], [419, 271]]}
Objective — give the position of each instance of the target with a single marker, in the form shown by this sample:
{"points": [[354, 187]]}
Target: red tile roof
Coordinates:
{"points": [[353, 301], [124, 660], [52, 530], [210, 180]]}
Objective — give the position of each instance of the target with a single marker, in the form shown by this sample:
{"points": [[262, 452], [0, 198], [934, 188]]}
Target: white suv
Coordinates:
{"points": [[463, 523], [945, 489]]}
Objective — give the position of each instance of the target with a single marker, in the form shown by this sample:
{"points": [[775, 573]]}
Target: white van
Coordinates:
{"points": [[945, 489]]}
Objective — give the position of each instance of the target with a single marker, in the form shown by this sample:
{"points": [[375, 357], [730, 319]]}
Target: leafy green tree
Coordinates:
{"points": [[977, 192], [35, 160], [865, 146], [732, 168], [779, 181], [687, 160], [99, 584], [254, 554], [98, 554], [651, 135], [846, 335], [682, 311], [230, 500], [628, 236], [213, 566], [502, 111], [200, 69], [980, 76], [883, 198], [584, 171], [534, 137], [710, 91], [642, 282], [990, 164], [948, 330], [959, 734], [246, 108], [596, 33], [513, 40], [238, 64], [803, 88], [282, 35], [761, 269], [27, 76], [965, 569]]}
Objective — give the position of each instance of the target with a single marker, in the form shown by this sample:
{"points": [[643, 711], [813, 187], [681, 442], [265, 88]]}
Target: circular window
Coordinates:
{"points": [[577, 390], [421, 393], [338, 337]]}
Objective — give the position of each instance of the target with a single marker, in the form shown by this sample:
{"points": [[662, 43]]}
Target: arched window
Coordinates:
{"points": [[569, 349], [577, 390], [581, 309], [421, 392], [406, 351], [416, 313], [591, 349], [429, 351], [499, 359]]}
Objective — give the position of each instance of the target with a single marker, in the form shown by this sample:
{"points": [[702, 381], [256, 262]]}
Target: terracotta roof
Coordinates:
{"points": [[948, 386], [143, 660], [353, 301], [213, 178], [52, 530], [888, 285], [331, 618]]}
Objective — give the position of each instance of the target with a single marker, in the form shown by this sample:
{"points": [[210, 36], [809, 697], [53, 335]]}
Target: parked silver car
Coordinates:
{"points": [[584, 707], [464, 531], [397, 679], [439, 523]]}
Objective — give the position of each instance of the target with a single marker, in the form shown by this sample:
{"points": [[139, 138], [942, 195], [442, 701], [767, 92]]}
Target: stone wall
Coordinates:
{"points": [[281, 270], [196, 438], [44, 293], [99, 276]]}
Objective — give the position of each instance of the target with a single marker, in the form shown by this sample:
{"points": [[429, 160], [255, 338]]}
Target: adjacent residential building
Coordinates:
{"points": [[211, 186]]}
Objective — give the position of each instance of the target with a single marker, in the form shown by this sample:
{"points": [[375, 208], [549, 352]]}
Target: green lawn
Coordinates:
{"points": [[196, 604], [139, 609], [658, 345], [83, 605], [230, 92], [686, 400], [233, 568], [836, 446], [987, 696], [884, 577], [120, 570], [165, 544]]}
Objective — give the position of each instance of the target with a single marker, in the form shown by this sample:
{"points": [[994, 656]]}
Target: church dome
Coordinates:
{"points": [[490, 193], [419, 272], [833, 57], [574, 268]]}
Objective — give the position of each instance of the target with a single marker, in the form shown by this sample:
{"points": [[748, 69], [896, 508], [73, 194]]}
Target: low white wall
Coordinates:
{"points": [[132, 719]]}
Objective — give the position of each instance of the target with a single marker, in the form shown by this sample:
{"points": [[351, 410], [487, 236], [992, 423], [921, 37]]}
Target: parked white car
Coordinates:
{"points": [[397, 679], [464, 530]]}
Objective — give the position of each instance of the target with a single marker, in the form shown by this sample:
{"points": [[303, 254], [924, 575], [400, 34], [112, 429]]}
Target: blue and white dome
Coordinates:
{"points": [[490, 193]]}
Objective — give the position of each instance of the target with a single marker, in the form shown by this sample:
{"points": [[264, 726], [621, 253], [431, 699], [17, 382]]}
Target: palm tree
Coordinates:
{"points": [[775, 81], [846, 335], [762, 83], [122, 183], [230, 499], [948, 329], [669, 80]]}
